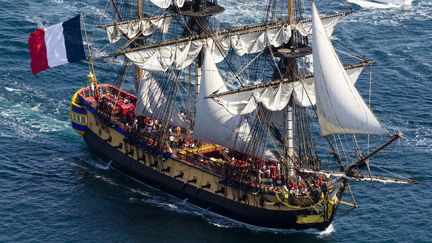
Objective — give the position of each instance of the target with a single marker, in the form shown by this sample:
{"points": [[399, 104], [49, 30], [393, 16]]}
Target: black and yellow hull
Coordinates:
{"points": [[78, 114], [200, 186]]}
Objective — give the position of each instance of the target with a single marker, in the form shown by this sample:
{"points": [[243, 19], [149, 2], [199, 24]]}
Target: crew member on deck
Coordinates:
{"points": [[171, 140], [92, 88]]}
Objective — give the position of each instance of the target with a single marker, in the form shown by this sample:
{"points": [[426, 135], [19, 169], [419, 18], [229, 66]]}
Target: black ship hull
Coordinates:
{"points": [[217, 204]]}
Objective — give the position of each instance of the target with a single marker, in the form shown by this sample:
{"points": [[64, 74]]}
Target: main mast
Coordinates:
{"points": [[288, 69], [138, 71]]}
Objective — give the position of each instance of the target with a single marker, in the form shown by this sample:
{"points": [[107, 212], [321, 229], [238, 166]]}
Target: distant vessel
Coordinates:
{"points": [[382, 3], [250, 153]]}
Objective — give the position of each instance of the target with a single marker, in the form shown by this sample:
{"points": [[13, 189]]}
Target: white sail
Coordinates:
{"points": [[276, 98], [167, 3], [340, 107], [183, 54], [151, 100], [305, 28], [131, 29], [160, 59], [213, 122]]}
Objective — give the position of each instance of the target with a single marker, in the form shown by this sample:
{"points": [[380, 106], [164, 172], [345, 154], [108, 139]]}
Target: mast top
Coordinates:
{"points": [[290, 13], [139, 3]]}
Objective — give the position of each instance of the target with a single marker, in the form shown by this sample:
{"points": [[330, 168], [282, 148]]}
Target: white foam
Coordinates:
{"points": [[102, 166], [12, 89], [106, 179], [98, 12], [417, 136], [330, 230], [29, 115], [142, 193], [239, 12], [219, 225], [171, 206], [6, 135]]}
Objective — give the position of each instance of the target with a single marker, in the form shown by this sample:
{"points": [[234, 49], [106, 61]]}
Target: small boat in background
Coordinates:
{"points": [[382, 4]]}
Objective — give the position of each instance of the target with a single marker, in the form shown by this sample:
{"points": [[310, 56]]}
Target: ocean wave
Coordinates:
{"points": [[240, 12], [24, 117], [417, 135], [35, 19], [99, 12], [31, 111], [156, 198], [227, 223], [422, 139], [107, 179], [140, 192], [60, 10]]}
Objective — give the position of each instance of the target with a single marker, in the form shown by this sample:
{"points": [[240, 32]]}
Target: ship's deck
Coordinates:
{"points": [[117, 107]]}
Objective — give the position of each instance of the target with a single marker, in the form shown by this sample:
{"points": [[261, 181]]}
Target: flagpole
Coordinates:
{"points": [[92, 75]]}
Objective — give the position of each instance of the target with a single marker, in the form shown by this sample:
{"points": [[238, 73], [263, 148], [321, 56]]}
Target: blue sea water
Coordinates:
{"points": [[53, 189]]}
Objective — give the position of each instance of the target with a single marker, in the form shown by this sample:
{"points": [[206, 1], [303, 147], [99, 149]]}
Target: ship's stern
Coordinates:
{"points": [[78, 114]]}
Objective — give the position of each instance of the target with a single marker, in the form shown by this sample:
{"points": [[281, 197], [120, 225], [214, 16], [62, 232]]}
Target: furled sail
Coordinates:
{"points": [[276, 97], [160, 59], [133, 28], [243, 40], [183, 54], [272, 98], [152, 101], [340, 107], [213, 122], [167, 3]]}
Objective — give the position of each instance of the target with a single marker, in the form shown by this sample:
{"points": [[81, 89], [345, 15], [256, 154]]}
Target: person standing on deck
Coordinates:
{"points": [[171, 140], [178, 132]]}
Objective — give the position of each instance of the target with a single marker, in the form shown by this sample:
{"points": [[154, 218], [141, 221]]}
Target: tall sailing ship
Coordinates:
{"points": [[233, 119]]}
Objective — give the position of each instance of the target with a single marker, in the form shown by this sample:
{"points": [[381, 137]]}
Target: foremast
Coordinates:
{"points": [[288, 70]]}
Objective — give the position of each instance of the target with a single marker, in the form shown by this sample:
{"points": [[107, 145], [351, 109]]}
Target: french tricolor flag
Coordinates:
{"points": [[56, 45]]}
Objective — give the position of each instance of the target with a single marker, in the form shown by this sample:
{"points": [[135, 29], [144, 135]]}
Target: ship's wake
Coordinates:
{"points": [[138, 193], [330, 230], [223, 222], [150, 196], [28, 113]]}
